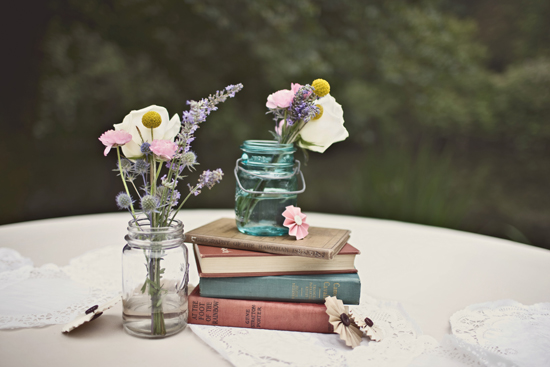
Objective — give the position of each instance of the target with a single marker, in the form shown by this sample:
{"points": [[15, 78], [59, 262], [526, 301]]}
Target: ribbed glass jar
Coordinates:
{"points": [[155, 270], [267, 179]]}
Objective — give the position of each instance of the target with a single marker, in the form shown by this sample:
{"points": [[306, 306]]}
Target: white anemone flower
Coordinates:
{"points": [[167, 130], [321, 133]]}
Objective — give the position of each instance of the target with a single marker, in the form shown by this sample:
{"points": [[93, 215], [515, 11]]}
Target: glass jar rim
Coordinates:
{"points": [[142, 235], [261, 146], [143, 226]]}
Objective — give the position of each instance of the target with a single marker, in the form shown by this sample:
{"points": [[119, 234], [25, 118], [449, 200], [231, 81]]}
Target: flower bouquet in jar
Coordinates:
{"points": [[156, 150], [268, 177]]}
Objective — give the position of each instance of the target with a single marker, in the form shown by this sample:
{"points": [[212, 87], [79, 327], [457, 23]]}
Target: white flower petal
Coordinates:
{"points": [[131, 150], [172, 128], [326, 130]]}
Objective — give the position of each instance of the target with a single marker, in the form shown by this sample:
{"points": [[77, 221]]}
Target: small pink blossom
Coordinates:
{"points": [[279, 128], [296, 222], [112, 138], [280, 99], [295, 87], [164, 149]]}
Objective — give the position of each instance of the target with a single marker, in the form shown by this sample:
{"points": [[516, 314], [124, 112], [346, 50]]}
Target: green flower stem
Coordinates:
{"points": [[135, 188], [155, 291], [152, 169], [124, 180], [181, 205], [158, 171]]}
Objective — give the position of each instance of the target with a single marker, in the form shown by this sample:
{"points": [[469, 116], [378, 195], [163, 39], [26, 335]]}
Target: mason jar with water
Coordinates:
{"points": [[268, 180], [155, 274]]}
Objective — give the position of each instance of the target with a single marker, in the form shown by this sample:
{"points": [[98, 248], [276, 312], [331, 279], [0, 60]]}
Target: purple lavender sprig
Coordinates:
{"points": [[185, 158], [303, 106], [207, 179], [198, 111]]}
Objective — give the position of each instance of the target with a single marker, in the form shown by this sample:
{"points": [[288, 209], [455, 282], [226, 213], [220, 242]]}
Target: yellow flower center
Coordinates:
{"points": [[321, 87], [318, 116], [151, 120]]}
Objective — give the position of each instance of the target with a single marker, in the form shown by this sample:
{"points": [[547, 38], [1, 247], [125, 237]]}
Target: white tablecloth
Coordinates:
{"points": [[432, 272]]}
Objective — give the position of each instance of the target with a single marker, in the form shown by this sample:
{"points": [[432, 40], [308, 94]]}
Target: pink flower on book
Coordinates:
{"points": [[296, 222], [164, 149], [112, 138]]}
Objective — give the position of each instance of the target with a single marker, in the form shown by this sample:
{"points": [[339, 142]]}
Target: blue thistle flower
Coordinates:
{"points": [[141, 166], [149, 204], [189, 159], [145, 148], [124, 201], [125, 165]]}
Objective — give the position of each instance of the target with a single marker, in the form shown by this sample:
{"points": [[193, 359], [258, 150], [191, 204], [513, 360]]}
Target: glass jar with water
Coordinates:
{"points": [[155, 273], [268, 180]]}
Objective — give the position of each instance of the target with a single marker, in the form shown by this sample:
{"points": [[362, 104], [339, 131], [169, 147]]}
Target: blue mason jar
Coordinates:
{"points": [[267, 179]]}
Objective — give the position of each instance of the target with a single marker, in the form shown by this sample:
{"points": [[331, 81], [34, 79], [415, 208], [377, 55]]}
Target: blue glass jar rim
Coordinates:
{"points": [[267, 146]]}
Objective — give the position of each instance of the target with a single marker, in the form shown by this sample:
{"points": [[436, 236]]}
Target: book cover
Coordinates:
{"points": [[289, 316], [321, 243], [223, 262], [287, 288]]}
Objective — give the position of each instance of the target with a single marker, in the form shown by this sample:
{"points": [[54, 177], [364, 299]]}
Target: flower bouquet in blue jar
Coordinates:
{"points": [[268, 177]]}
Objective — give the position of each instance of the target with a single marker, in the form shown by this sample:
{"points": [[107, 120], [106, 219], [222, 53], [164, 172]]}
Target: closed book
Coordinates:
{"points": [[320, 243], [255, 314], [289, 288], [224, 262]]}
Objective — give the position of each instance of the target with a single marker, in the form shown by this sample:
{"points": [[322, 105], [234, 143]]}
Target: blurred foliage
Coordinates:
{"points": [[416, 78], [523, 104], [421, 186]]}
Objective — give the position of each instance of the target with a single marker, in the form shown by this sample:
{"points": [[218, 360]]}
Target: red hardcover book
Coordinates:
{"points": [[223, 262], [289, 316]]}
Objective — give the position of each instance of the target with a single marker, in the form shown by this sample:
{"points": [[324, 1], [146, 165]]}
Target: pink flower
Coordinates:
{"points": [[279, 128], [296, 222], [164, 149], [282, 99], [112, 138], [295, 87]]}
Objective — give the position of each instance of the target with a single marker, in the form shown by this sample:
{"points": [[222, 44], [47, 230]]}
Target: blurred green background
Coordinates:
{"points": [[447, 102]]}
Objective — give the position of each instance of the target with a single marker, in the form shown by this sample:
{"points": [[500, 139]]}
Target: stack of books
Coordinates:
{"points": [[274, 283]]}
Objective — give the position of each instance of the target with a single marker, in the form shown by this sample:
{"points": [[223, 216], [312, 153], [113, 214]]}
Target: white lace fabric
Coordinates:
{"points": [[503, 333], [36, 297], [516, 332]]}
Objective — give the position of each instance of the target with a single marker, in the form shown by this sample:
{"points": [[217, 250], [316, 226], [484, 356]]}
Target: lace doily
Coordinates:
{"points": [[250, 347], [507, 328], [454, 352], [34, 297]]}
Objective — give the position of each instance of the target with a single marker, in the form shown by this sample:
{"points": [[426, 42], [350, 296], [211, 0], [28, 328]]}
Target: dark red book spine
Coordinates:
{"points": [[290, 316]]}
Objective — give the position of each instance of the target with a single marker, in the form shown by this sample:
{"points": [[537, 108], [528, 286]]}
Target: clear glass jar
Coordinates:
{"points": [[155, 271], [267, 179]]}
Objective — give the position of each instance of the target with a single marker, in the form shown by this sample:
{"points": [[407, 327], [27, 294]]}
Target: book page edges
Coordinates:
{"points": [[224, 233], [279, 248]]}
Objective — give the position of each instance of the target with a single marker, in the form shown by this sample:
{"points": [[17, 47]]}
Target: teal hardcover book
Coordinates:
{"points": [[287, 288]]}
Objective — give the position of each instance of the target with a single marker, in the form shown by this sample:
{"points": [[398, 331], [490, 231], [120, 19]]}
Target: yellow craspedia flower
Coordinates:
{"points": [[151, 120], [318, 116], [321, 87]]}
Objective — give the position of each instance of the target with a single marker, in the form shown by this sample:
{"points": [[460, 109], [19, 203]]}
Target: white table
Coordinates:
{"points": [[432, 272]]}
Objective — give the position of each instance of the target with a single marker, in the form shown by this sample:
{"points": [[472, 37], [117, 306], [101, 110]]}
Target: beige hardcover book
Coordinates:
{"points": [[321, 243]]}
